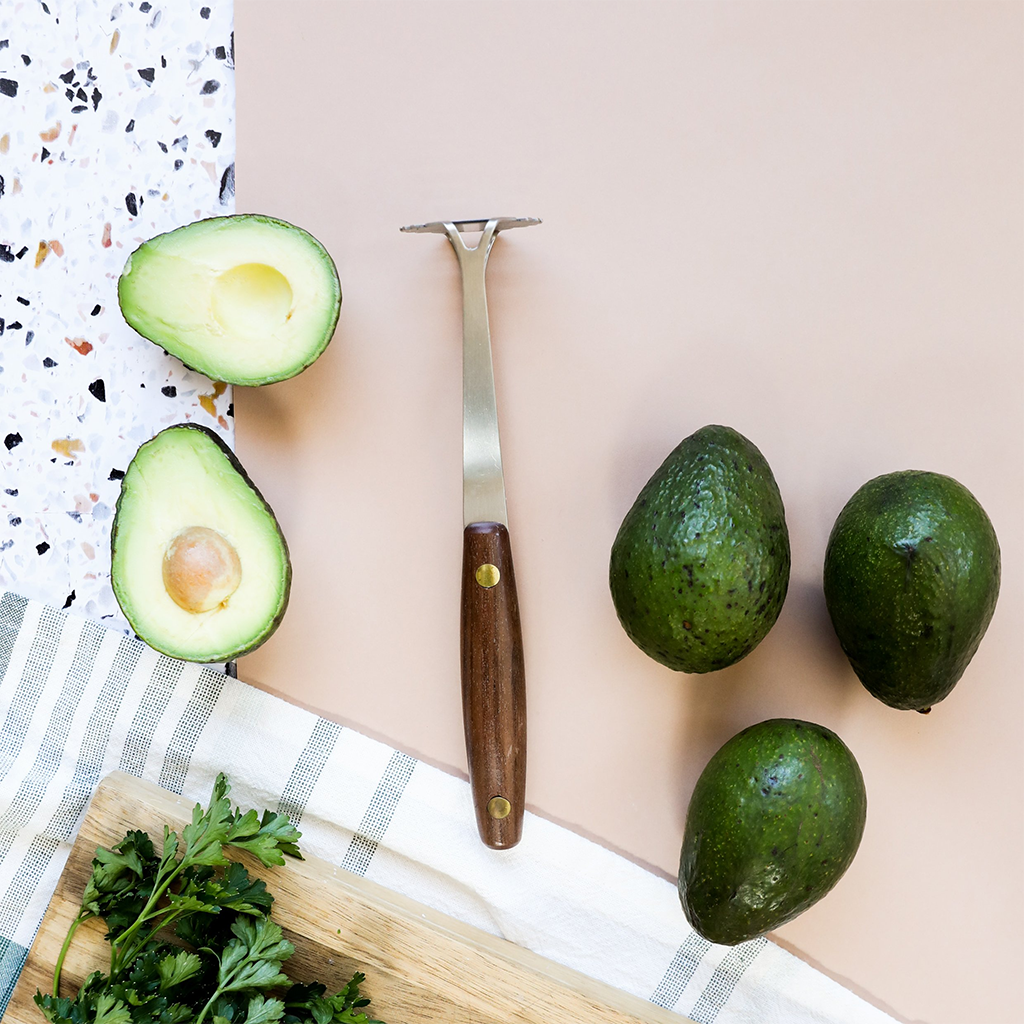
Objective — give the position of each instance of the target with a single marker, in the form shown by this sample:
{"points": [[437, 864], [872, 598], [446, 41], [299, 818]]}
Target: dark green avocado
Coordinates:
{"points": [[199, 564], [911, 580], [700, 565], [774, 822]]}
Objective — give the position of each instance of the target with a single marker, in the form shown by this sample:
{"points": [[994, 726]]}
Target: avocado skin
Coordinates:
{"points": [[911, 579], [700, 565], [271, 625], [775, 820]]}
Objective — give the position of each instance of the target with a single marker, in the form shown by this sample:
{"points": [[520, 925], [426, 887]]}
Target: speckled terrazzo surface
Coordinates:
{"points": [[116, 124]]}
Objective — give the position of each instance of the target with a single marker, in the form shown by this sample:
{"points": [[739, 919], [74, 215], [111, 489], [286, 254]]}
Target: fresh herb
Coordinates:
{"points": [[190, 933]]}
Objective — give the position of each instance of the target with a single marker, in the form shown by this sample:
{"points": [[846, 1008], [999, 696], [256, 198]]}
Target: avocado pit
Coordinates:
{"points": [[201, 569]]}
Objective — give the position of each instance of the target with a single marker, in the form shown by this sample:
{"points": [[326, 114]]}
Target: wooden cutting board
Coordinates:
{"points": [[421, 966]]}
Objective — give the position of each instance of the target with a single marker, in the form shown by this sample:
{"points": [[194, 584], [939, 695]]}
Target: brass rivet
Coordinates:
{"points": [[498, 807], [487, 575]]}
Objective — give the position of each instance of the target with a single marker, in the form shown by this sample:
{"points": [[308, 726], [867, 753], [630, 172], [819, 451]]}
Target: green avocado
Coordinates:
{"points": [[700, 565], [774, 822], [911, 580], [199, 565], [244, 299]]}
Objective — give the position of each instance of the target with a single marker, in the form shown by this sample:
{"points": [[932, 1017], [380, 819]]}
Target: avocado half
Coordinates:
{"points": [[245, 299], [199, 564]]}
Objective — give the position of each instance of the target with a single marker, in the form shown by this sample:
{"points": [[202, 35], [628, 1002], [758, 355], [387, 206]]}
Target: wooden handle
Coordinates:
{"points": [[493, 684]]}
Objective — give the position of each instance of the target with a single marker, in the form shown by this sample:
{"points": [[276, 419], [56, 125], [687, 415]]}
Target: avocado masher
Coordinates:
{"points": [[493, 677]]}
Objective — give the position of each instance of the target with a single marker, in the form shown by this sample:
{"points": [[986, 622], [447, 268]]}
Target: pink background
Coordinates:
{"points": [[801, 220]]}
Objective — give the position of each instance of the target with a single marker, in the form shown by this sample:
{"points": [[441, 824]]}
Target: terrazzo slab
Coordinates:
{"points": [[116, 124]]}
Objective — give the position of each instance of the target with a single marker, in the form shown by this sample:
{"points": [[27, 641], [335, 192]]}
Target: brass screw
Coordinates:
{"points": [[487, 576], [498, 807]]}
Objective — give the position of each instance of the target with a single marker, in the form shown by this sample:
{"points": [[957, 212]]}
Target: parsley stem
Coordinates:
{"points": [[164, 917], [83, 915], [118, 955], [209, 1003]]}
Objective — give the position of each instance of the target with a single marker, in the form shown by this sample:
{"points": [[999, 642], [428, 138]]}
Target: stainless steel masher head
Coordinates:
{"points": [[493, 677]]}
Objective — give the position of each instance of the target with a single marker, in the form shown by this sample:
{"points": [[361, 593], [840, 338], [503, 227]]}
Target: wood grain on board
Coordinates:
{"points": [[421, 966]]}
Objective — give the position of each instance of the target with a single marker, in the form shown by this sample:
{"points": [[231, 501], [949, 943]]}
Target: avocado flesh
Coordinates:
{"points": [[244, 299], [700, 565], [775, 820], [184, 501], [911, 580]]}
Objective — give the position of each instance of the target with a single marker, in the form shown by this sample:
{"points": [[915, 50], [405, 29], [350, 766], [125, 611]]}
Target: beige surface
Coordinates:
{"points": [[802, 220], [421, 966]]}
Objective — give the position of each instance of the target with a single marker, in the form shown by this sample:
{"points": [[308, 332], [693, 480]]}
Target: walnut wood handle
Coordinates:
{"points": [[493, 684]]}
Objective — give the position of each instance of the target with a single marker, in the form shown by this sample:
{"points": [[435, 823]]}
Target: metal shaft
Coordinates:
{"points": [[483, 494]]}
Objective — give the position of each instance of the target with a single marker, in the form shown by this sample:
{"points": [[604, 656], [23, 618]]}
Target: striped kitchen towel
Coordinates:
{"points": [[78, 700]]}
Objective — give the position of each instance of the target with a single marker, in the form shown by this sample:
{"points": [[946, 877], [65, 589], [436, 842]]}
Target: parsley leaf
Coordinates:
{"points": [[268, 839], [176, 968], [308, 1003], [263, 1011], [109, 1010], [253, 958]]}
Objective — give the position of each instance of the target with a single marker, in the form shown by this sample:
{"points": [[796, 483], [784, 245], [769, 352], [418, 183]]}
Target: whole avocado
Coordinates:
{"points": [[775, 820], [700, 565], [911, 580]]}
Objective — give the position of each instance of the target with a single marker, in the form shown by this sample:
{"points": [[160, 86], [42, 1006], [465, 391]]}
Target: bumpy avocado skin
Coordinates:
{"points": [[775, 820], [700, 565], [911, 579]]}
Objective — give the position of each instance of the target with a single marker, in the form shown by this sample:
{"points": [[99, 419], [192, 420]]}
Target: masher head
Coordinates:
{"points": [[440, 227]]}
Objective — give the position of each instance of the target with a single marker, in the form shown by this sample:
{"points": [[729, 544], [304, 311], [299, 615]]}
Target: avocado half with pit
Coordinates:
{"points": [[199, 564], [245, 299]]}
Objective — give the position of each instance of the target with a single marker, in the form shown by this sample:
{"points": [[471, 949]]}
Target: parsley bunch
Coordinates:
{"points": [[191, 939]]}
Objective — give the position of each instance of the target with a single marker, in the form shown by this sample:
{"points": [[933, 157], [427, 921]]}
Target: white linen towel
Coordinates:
{"points": [[78, 700]]}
